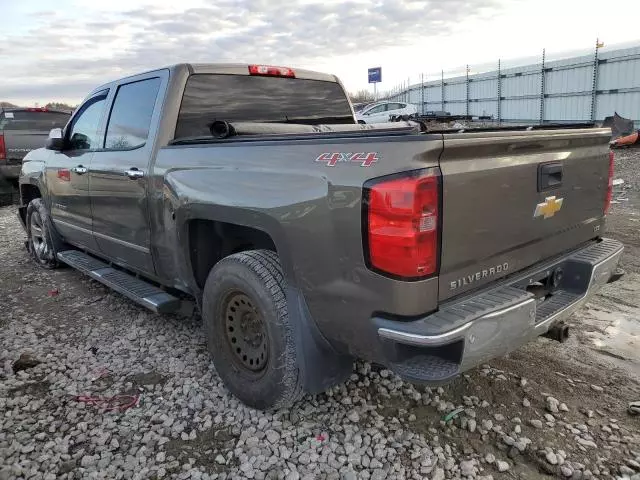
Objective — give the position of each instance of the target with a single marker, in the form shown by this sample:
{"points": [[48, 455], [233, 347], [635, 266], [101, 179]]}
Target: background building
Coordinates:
{"points": [[576, 89]]}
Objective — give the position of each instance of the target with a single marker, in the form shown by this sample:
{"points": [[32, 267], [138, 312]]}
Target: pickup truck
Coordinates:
{"points": [[23, 130], [307, 240]]}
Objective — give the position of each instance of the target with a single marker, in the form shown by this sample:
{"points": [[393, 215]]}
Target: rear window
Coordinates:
{"points": [[237, 98], [25, 120]]}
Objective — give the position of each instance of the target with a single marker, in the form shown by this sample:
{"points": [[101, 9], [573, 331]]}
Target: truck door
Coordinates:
{"points": [[118, 180], [67, 173]]}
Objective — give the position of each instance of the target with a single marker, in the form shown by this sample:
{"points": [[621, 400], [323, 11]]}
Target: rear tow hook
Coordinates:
{"points": [[558, 332]]}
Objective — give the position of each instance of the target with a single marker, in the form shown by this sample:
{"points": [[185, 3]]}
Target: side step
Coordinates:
{"points": [[139, 291]]}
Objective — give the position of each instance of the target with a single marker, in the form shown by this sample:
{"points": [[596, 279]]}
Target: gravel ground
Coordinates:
{"points": [[548, 410]]}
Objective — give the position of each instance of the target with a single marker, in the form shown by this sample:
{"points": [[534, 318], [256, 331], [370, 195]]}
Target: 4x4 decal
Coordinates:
{"points": [[333, 158]]}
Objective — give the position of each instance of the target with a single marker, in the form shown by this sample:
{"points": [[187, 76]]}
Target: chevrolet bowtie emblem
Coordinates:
{"points": [[548, 208]]}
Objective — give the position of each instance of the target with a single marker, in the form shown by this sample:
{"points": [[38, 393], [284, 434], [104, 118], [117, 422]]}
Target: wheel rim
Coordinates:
{"points": [[40, 247], [246, 332]]}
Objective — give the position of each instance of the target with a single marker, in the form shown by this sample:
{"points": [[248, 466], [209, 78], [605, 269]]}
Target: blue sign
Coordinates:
{"points": [[375, 75]]}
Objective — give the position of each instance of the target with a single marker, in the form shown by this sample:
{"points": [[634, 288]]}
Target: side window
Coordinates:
{"points": [[378, 109], [394, 106], [84, 130], [131, 113]]}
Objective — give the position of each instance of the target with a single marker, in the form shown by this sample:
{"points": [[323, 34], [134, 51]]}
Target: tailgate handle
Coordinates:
{"points": [[549, 176]]}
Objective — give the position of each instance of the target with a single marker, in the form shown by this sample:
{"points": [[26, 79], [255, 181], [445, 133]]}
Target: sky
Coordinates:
{"points": [[60, 50]]}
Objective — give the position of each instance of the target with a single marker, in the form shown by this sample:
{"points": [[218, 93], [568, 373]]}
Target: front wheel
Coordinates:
{"points": [[43, 242], [248, 331]]}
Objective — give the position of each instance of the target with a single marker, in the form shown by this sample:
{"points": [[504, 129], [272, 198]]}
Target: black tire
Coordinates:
{"points": [[43, 241], [244, 294]]}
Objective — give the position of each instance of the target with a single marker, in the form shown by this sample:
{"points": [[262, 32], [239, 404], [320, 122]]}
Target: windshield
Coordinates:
{"points": [[243, 98], [26, 120]]}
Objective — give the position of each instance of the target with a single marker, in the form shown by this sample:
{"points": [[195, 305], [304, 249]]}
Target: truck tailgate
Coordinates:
{"points": [[20, 142], [512, 199]]}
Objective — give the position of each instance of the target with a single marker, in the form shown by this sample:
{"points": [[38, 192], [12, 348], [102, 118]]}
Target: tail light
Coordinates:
{"points": [[401, 223], [271, 71], [3, 148], [607, 201]]}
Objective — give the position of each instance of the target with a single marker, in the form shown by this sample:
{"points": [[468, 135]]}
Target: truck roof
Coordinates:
{"points": [[223, 69]]}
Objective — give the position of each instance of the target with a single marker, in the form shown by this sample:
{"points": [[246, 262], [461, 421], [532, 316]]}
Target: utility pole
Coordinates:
{"points": [[467, 109], [442, 88], [594, 86], [542, 75], [499, 94], [422, 93]]}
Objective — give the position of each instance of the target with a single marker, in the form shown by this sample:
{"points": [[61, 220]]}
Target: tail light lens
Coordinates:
{"points": [[402, 224], [607, 201], [3, 150]]}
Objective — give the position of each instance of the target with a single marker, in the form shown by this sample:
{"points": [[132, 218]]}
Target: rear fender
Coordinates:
{"points": [[321, 366]]}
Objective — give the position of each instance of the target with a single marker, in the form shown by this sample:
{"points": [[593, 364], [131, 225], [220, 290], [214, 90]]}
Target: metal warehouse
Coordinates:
{"points": [[576, 89]]}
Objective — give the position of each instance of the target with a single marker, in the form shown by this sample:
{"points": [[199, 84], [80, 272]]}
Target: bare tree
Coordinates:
{"points": [[60, 106], [361, 96]]}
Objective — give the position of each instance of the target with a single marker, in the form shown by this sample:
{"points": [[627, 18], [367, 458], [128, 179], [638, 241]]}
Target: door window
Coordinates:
{"points": [[131, 113], [378, 109], [84, 130]]}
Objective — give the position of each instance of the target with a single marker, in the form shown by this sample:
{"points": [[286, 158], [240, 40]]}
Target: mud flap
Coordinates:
{"points": [[321, 366]]}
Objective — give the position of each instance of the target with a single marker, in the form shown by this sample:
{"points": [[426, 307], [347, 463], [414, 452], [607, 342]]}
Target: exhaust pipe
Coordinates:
{"points": [[558, 332]]}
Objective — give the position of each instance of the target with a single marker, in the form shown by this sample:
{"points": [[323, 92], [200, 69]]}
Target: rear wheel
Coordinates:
{"points": [[248, 331], [43, 241]]}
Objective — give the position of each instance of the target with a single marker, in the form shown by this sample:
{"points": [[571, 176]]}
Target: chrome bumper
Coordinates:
{"points": [[497, 321]]}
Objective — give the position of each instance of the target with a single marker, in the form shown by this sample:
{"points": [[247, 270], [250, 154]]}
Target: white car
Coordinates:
{"points": [[382, 111]]}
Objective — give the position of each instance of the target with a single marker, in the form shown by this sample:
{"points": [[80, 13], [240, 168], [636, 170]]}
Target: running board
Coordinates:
{"points": [[139, 291]]}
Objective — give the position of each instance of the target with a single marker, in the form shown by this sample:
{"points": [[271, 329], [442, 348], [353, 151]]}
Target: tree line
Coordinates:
{"points": [[50, 105]]}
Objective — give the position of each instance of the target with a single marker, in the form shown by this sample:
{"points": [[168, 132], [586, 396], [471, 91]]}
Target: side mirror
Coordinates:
{"points": [[55, 140]]}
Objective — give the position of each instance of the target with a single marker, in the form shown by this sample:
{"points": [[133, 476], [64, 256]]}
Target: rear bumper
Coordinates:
{"points": [[493, 322]]}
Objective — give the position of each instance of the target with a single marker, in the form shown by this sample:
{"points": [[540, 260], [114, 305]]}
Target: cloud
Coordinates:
{"points": [[63, 54]]}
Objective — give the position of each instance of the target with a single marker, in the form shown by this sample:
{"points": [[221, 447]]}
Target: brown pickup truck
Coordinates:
{"points": [[307, 240]]}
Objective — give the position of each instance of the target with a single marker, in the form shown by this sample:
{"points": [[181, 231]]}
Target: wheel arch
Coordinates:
{"points": [[28, 192], [252, 229]]}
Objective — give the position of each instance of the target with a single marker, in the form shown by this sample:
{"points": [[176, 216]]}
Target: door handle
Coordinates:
{"points": [[80, 170], [549, 176], [134, 173]]}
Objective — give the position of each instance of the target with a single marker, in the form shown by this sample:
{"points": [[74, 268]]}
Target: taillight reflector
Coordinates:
{"points": [[3, 151], [402, 224], [607, 201], [271, 71], [37, 109]]}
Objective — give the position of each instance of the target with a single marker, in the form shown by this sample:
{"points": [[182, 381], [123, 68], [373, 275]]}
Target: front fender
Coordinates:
{"points": [[31, 175]]}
